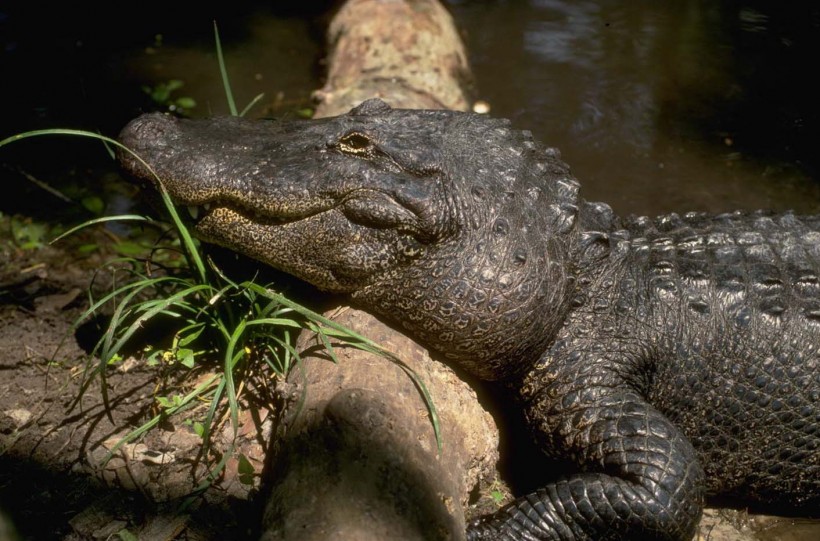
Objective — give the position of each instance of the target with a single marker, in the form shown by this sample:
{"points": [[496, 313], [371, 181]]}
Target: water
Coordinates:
{"points": [[661, 106], [68, 70]]}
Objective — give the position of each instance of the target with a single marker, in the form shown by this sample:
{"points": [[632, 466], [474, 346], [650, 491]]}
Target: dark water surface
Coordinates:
{"points": [[658, 106], [60, 67], [661, 106]]}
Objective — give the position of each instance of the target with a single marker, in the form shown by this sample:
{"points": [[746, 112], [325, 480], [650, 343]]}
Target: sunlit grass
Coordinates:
{"points": [[241, 325]]}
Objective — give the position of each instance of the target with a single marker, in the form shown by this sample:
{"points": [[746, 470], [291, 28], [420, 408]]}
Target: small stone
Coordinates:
{"points": [[20, 417]]}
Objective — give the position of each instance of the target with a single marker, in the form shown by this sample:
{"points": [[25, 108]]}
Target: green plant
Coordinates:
{"points": [[162, 95], [241, 324], [28, 234]]}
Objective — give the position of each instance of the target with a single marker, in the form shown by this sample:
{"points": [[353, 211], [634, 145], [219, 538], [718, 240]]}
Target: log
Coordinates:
{"points": [[356, 456], [359, 459], [407, 52]]}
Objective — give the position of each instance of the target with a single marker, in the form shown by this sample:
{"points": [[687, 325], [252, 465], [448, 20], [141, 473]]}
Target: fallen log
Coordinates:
{"points": [[407, 52], [356, 457]]}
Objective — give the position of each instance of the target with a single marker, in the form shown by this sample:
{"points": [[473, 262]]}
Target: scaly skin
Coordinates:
{"points": [[701, 330], [668, 359]]}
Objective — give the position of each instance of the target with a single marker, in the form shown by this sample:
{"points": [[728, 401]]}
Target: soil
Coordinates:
{"points": [[55, 481]]}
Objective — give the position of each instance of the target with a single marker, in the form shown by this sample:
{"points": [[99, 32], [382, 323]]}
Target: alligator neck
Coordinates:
{"points": [[492, 301]]}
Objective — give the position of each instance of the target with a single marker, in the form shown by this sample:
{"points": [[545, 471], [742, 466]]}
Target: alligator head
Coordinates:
{"points": [[452, 224]]}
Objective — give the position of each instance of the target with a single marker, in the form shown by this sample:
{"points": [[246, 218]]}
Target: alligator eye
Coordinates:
{"points": [[355, 143]]}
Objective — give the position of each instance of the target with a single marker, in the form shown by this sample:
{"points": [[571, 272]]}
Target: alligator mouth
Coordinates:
{"points": [[197, 213]]}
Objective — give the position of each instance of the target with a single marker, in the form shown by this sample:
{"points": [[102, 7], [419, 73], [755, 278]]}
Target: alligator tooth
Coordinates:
{"points": [[206, 206], [194, 212]]}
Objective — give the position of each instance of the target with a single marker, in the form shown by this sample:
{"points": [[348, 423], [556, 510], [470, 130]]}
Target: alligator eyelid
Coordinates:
{"points": [[356, 143]]}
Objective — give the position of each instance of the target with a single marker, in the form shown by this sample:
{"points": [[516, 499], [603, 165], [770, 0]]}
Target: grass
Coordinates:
{"points": [[241, 325]]}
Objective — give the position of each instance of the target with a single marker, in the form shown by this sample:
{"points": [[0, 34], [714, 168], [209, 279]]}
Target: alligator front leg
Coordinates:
{"points": [[641, 478]]}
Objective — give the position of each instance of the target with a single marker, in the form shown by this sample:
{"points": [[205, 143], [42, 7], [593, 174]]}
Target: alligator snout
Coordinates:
{"points": [[149, 129], [148, 136]]}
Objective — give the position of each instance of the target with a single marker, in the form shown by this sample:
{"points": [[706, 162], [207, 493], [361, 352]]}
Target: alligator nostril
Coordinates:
{"points": [[153, 128], [145, 137]]}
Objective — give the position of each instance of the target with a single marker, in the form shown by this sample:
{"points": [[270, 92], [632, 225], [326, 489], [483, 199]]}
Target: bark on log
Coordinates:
{"points": [[360, 459], [357, 457], [407, 52]]}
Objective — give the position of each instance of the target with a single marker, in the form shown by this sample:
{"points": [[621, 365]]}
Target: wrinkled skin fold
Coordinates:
{"points": [[669, 359]]}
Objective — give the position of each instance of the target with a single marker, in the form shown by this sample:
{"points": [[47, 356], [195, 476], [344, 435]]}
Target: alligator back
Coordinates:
{"points": [[726, 311], [688, 366], [760, 262]]}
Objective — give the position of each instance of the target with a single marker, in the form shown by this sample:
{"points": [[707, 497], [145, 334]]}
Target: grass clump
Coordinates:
{"points": [[240, 325]]}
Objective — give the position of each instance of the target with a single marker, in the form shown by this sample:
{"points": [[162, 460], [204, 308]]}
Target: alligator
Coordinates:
{"points": [[669, 359]]}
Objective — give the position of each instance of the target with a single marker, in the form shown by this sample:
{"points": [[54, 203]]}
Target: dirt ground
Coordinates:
{"points": [[55, 482]]}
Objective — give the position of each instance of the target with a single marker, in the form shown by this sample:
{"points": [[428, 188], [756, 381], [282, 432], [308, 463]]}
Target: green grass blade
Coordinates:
{"points": [[188, 243], [86, 378], [253, 102], [184, 403], [57, 131], [120, 218], [211, 415], [102, 348], [275, 321], [431, 407], [222, 275], [154, 310], [223, 70], [311, 315], [360, 342], [110, 296], [232, 357], [212, 476], [290, 355], [318, 331]]}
